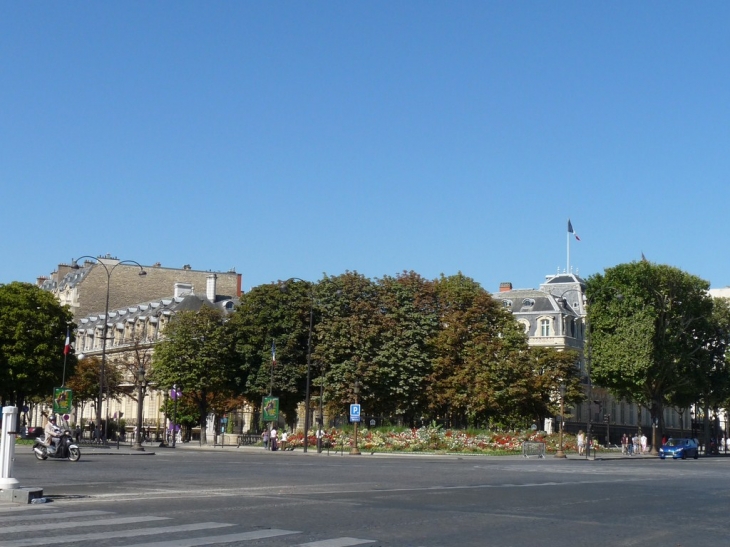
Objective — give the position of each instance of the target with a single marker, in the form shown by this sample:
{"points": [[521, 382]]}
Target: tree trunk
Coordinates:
{"points": [[203, 409]]}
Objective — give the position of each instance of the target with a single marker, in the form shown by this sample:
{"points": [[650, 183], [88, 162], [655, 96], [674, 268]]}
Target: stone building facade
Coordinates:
{"points": [[139, 308]]}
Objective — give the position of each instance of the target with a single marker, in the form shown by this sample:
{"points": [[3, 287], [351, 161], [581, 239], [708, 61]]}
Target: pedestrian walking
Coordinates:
{"points": [[265, 438], [284, 438], [625, 444]]}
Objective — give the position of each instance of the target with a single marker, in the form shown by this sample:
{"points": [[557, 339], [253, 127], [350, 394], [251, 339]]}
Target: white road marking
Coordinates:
{"points": [[77, 524], [210, 540], [30, 542], [337, 542]]}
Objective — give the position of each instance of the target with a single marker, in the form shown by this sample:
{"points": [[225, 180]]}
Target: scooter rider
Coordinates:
{"points": [[53, 433]]}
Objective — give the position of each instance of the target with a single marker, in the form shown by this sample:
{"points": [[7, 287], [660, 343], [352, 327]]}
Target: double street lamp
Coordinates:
{"points": [[108, 271]]}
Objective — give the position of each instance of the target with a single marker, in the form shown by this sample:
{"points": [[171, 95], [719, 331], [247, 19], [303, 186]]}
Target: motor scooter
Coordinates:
{"points": [[66, 448]]}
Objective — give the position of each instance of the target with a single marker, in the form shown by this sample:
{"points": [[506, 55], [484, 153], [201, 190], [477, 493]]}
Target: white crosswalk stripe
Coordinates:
{"points": [[337, 542], [75, 524], [78, 520], [47, 516], [76, 538], [210, 540]]}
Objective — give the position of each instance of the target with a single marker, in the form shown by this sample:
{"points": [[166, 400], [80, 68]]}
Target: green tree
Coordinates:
{"points": [[479, 370], [348, 339], [276, 312], [33, 329], [709, 371], [85, 380], [408, 319], [552, 369], [647, 329], [198, 355]]}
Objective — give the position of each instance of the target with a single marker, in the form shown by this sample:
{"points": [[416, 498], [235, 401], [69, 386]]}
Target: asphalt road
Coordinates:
{"points": [[255, 498]]}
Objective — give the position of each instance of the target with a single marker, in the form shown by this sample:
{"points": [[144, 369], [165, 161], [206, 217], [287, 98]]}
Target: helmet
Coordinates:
{"points": [[52, 419]]}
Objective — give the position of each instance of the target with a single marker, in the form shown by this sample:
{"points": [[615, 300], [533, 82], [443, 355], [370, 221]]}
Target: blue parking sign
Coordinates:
{"points": [[354, 413]]}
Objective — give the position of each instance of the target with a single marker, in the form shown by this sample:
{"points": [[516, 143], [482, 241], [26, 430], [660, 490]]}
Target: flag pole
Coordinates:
{"points": [[568, 244], [66, 348]]}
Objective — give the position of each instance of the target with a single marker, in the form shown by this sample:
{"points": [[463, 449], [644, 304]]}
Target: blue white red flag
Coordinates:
{"points": [[571, 231]]}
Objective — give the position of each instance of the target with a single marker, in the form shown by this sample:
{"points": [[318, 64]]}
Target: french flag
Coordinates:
{"points": [[571, 231], [67, 347]]}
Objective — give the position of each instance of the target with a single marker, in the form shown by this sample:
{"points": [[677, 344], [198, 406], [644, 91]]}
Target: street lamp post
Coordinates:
{"points": [[320, 419], [175, 393], [109, 271], [560, 453], [309, 359], [140, 403]]}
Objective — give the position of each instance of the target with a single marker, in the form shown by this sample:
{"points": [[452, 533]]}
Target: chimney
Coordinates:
{"points": [[505, 287], [63, 269], [183, 289], [210, 287]]}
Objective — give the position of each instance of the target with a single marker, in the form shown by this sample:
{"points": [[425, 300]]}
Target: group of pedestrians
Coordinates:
{"points": [[271, 440], [634, 445]]}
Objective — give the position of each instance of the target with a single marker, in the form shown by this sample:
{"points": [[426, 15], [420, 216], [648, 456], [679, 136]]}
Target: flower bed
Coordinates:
{"points": [[436, 440]]}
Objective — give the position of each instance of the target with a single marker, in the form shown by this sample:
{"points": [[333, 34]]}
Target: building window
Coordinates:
{"points": [[544, 327], [507, 303]]}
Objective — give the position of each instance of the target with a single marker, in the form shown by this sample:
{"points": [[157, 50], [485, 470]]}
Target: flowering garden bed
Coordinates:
{"points": [[435, 440]]}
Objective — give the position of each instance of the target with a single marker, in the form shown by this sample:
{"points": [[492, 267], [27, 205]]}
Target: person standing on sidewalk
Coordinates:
{"points": [[265, 438], [581, 441], [625, 444], [274, 435]]}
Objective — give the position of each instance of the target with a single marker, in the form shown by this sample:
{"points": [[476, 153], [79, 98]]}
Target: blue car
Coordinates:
{"points": [[679, 448]]}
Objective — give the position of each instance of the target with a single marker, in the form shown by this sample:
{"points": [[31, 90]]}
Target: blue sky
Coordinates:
{"points": [[296, 139]]}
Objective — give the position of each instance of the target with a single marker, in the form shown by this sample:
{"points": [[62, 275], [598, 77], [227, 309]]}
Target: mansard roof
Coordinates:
{"points": [[535, 301], [151, 311]]}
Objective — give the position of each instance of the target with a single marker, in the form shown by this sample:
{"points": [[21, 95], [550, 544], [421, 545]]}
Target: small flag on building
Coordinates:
{"points": [[571, 231]]}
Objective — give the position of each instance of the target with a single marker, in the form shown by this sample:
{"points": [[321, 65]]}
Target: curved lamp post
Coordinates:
{"points": [[109, 271], [309, 358]]}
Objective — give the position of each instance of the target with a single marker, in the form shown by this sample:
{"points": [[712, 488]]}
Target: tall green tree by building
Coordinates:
{"points": [[648, 325]]}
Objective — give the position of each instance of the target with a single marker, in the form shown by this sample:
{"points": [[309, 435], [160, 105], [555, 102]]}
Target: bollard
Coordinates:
{"points": [[7, 449]]}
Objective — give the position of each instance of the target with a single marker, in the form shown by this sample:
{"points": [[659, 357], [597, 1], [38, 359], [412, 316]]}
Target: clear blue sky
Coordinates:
{"points": [[292, 139]]}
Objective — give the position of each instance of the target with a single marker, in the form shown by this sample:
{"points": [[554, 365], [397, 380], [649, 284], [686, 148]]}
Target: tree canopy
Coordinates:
{"points": [[648, 331], [196, 355], [33, 328]]}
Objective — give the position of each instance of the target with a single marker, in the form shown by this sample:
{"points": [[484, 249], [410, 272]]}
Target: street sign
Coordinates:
{"points": [[354, 413]]}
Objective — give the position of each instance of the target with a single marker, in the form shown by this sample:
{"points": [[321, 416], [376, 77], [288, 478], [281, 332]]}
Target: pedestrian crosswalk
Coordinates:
{"points": [[87, 528]]}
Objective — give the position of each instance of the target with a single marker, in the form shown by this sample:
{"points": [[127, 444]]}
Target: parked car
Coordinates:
{"points": [[679, 448]]}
